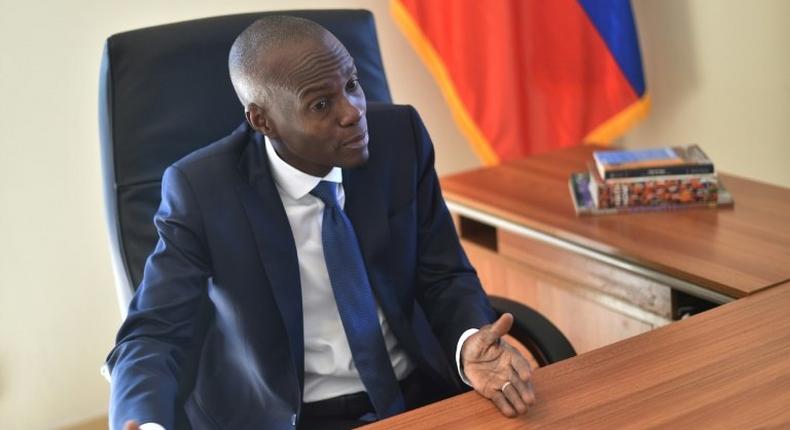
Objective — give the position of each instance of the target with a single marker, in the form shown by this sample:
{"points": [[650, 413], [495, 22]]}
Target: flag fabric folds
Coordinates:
{"points": [[526, 76]]}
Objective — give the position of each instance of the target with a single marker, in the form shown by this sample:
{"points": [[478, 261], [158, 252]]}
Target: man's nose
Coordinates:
{"points": [[352, 112]]}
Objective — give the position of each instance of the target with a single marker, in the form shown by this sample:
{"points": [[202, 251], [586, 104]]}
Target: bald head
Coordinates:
{"points": [[259, 60], [300, 89]]}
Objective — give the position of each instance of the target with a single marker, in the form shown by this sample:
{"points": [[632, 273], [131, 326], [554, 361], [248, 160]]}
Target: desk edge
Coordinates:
{"points": [[671, 281]]}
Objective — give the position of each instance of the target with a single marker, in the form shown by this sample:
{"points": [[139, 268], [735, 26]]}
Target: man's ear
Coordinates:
{"points": [[259, 120]]}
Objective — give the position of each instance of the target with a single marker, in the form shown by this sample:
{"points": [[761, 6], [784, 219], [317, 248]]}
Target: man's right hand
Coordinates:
{"points": [[497, 370], [131, 425]]}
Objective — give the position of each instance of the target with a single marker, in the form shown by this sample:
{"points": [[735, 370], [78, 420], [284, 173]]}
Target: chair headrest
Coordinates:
{"points": [[165, 91]]}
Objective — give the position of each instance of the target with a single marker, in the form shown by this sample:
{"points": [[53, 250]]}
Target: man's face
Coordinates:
{"points": [[317, 120]]}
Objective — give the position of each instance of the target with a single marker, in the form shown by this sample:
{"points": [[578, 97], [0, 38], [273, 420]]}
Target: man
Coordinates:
{"points": [[317, 238]]}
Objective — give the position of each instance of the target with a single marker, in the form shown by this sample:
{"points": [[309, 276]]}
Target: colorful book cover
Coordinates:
{"points": [[678, 160], [579, 184], [653, 191]]}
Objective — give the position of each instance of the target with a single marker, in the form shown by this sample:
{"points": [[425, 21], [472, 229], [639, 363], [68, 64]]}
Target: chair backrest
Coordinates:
{"points": [[165, 91]]}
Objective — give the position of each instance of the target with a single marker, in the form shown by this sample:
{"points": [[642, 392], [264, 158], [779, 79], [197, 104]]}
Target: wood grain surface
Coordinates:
{"points": [[583, 314], [725, 368], [735, 251]]}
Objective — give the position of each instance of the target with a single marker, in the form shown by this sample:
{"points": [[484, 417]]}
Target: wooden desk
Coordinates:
{"points": [[735, 252], [726, 368], [605, 278]]}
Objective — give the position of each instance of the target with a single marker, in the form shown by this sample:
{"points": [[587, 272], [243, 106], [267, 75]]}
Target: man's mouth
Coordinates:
{"points": [[357, 141]]}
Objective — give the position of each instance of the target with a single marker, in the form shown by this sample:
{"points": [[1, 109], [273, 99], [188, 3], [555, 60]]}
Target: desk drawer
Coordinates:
{"points": [[593, 303], [646, 294]]}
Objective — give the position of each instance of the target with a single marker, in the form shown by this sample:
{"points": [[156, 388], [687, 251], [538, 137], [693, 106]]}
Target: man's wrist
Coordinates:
{"points": [[459, 365]]}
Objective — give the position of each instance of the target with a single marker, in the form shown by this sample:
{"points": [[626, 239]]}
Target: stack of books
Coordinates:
{"points": [[648, 179]]}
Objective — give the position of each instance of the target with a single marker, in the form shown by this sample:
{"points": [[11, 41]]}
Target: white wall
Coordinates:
{"points": [[719, 75], [717, 69], [58, 314]]}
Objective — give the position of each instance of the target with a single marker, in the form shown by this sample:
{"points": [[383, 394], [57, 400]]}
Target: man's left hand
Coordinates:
{"points": [[497, 370]]}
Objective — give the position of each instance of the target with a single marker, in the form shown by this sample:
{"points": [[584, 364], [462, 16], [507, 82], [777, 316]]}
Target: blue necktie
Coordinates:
{"points": [[357, 306]]}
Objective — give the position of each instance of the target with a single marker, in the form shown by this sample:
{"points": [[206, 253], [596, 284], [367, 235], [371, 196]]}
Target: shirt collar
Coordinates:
{"points": [[292, 180]]}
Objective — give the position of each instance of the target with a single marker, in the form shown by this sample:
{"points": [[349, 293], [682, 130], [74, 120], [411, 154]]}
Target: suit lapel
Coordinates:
{"points": [[368, 211], [275, 242]]}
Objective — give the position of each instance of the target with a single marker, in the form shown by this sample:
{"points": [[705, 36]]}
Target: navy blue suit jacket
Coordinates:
{"points": [[219, 308]]}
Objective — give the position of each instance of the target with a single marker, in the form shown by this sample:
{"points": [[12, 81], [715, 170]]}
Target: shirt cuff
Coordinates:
{"points": [[105, 371], [151, 426], [461, 341]]}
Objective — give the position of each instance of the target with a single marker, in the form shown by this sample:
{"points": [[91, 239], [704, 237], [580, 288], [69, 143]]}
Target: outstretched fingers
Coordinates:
{"points": [[524, 391], [492, 333], [524, 381], [503, 404], [514, 397]]}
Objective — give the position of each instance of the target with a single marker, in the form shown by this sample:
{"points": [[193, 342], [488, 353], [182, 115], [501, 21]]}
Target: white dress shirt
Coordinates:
{"points": [[329, 369]]}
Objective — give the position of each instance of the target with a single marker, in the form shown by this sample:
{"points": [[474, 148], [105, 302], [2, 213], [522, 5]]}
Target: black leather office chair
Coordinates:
{"points": [[165, 92]]}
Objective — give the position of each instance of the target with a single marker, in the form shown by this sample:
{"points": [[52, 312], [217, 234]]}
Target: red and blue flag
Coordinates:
{"points": [[526, 76]]}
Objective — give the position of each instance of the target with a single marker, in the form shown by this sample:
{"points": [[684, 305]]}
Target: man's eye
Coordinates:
{"points": [[320, 105], [352, 85]]}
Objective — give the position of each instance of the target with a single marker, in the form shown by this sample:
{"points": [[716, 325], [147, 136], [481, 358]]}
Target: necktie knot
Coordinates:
{"points": [[325, 191]]}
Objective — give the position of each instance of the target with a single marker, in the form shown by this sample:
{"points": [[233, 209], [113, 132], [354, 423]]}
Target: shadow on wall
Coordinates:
{"points": [[668, 53]]}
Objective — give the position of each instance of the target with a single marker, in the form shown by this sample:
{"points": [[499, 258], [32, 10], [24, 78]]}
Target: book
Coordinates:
{"points": [[652, 190], [579, 184], [676, 160]]}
